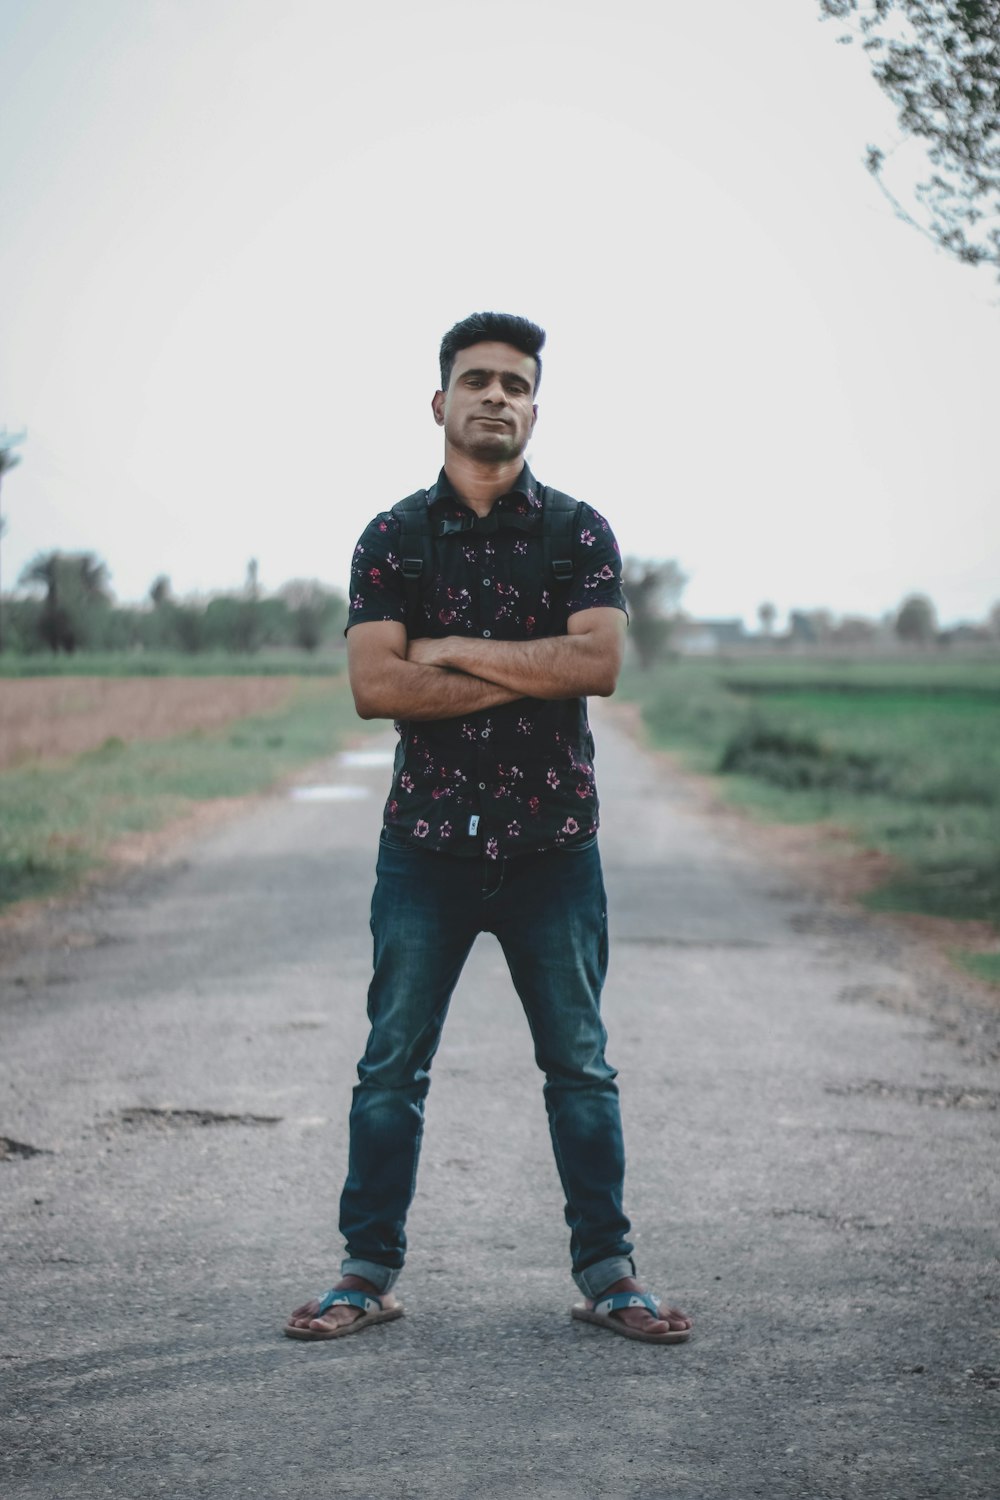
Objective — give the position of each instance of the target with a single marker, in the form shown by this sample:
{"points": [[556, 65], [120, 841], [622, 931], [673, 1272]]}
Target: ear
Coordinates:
{"points": [[437, 407], [534, 417]]}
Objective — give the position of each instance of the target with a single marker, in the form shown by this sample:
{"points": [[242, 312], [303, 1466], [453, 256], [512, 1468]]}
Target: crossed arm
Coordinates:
{"points": [[440, 679]]}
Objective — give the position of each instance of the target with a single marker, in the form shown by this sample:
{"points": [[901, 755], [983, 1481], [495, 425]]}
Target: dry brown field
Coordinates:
{"points": [[51, 718]]}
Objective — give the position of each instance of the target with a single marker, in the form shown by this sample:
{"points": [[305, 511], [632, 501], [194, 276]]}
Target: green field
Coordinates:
{"points": [[905, 755], [57, 821]]}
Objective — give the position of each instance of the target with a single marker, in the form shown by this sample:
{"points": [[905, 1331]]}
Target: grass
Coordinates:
{"points": [[904, 755], [983, 965], [173, 664], [58, 821]]}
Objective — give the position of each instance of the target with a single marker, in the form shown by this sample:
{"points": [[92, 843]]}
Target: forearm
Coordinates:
{"points": [[561, 666], [407, 690]]}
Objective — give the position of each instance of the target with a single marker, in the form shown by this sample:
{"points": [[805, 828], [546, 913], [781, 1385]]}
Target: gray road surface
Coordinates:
{"points": [[813, 1176]]}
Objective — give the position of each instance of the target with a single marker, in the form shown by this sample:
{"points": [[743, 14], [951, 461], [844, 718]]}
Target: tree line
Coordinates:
{"points": [[913, 623], [69, 607]]}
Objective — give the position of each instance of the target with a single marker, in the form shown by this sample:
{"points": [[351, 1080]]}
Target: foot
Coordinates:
{"points": [[671, 1319], [341, 1312]]}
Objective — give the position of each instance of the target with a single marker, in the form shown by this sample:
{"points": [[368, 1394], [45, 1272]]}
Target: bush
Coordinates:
{"points": [[801, 762]]}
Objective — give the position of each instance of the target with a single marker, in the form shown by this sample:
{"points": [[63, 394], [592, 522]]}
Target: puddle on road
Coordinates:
{"points": [[366, 758], [335, 792]]}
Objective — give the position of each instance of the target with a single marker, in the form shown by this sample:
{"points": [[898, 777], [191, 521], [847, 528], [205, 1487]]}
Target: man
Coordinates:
{"points": [[491, 820]]}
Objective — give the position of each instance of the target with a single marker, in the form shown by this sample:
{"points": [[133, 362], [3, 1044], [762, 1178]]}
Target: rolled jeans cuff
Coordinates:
{"points": [[382, 1278], [597, 1278]]}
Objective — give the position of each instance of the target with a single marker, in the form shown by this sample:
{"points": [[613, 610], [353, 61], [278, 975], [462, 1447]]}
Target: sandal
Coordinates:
{"points": [[602, 1310], [371, 1307]]}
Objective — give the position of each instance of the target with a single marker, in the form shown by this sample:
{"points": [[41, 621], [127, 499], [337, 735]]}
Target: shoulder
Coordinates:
{"points": [[380, 531], [412, 509], [590, 528], [594, 528], [559, 500], [378, 547], [382, 524]]}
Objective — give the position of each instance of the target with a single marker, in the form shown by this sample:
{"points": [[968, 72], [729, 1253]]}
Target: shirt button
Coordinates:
{"points": [[485, 734], [486, 583], [487, 633], [482, 786]]}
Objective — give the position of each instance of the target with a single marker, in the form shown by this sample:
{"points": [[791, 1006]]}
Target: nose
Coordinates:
{"points": [[495, 393]]}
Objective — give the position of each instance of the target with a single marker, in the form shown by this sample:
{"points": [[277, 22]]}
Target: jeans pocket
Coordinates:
{"points": [[389, 840], [578, 848]]}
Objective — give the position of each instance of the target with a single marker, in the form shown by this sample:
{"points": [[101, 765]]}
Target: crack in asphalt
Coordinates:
{"points": [[180, 1118]]}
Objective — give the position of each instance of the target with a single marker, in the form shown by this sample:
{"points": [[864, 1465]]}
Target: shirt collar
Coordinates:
{"points": [[524, 488]]}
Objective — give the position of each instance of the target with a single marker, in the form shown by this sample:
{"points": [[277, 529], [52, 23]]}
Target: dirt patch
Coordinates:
{"points": [[825, 855], [51, 718], [945, 1096], [153, 845], [826, 861]]}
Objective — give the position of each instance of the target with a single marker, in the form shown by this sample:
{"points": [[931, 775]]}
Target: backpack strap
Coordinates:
{"points": [[558, 534], [559, 515], [415, 555]]}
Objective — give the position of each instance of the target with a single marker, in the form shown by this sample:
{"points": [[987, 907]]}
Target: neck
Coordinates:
{"points": [[480, 485]]}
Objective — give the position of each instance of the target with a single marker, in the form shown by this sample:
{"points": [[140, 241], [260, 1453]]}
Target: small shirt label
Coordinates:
{"points": [[473, 824]]}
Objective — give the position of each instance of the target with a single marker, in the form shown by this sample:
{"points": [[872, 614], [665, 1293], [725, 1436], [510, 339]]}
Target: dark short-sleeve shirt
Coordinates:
{"points": [[519, 777]]}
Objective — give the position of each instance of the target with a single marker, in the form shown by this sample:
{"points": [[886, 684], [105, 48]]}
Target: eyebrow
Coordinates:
{"points": [[505, 374]]}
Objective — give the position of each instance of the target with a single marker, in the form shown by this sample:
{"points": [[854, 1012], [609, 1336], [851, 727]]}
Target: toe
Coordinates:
{"points": [[302, 1316]]}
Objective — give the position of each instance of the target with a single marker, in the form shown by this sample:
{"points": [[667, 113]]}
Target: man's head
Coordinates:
{"points": [[490, 371], [492, 328]]}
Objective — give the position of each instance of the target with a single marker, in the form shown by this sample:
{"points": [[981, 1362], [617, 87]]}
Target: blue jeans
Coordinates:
{"points": [[549, 913]]}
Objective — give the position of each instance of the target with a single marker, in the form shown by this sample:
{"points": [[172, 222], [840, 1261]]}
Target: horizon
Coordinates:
{"points": [[680, 615]]}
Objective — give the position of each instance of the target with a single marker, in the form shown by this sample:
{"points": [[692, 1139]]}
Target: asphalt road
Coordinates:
{"points": [[813, 1176]]}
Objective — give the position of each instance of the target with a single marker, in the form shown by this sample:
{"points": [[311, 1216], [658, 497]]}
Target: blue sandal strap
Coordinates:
{"points": [[366, 1301], [618, 1301]]}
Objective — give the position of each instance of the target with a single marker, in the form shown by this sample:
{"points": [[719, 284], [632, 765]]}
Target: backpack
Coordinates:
{"points": [[416, 544]]}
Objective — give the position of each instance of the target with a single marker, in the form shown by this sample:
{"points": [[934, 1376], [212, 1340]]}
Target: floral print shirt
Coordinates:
{"points": [[519, 777]]}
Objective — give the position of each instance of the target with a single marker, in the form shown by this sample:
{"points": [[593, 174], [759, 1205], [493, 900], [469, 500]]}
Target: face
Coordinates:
{"points": [[487, 412]]}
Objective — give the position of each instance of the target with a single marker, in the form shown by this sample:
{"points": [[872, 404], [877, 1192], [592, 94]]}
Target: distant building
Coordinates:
{"points": [[705, 637], [965, 634]]}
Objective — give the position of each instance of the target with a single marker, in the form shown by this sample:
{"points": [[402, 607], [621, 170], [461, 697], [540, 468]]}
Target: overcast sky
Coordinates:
{"points": [[234, 231]]}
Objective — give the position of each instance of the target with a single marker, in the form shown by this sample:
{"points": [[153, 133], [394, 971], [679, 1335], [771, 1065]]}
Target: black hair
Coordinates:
{"points": [[491, 327]]}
